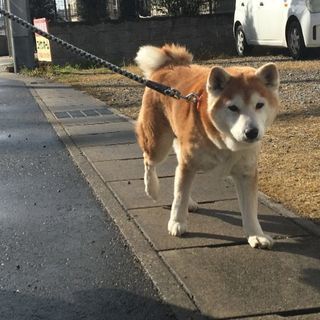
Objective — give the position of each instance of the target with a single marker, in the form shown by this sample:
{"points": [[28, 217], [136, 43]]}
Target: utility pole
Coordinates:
{"points": [[65, 10], [21, 39], [7, 29]]}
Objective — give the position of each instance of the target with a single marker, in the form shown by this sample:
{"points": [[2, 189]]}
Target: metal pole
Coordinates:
{"points": [[8, 30], [22, 39], [65, 10], [55, 10], [10, 37]]}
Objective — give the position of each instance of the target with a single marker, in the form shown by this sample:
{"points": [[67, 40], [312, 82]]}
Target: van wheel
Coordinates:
{"points": [[295, 41], [242, 46]]}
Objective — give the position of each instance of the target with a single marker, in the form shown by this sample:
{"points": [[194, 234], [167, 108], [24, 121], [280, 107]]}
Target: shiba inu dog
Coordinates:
{"points": [[223, 130]]}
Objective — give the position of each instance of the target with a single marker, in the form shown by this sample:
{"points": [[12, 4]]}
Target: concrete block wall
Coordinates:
{"points": [[118, 41], [3, 46]]}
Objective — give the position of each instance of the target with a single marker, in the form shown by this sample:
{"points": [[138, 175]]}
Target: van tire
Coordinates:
{"points": [[242, 46], [295, 41]]}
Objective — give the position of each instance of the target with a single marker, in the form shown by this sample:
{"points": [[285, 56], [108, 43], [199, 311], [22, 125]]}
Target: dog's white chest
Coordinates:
{"points": [[221, 161]]}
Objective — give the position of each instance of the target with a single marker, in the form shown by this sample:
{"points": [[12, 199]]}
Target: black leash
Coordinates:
{"points": [[168, 91]]}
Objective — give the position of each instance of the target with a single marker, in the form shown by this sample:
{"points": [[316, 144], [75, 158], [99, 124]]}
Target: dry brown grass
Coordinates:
{"points": [[290, 160]]}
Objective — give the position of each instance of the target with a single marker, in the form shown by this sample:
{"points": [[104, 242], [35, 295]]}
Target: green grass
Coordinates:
{"points": [[52, 71], [61, 73]]}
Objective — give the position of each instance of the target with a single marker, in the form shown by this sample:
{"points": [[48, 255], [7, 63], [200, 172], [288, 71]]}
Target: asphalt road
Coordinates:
{"points": [[61, 256]]}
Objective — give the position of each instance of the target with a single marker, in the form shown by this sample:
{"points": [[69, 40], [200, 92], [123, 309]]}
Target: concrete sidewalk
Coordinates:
{"points": [[211, 271]]}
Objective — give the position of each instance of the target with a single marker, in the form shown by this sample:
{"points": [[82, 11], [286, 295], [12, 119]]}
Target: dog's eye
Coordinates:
{"points": [[233, 108], [259, 105]]}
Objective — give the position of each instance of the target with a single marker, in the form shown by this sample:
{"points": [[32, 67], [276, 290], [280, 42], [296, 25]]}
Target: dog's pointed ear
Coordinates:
{"points": [[217, 80], [269, 75]]}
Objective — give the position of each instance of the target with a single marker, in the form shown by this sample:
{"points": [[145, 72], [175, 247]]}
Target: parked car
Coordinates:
{"points": [[294, 24]]}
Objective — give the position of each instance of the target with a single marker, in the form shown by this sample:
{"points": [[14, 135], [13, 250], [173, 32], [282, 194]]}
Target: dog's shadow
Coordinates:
{"points": [[270, 223], [292, 238]]}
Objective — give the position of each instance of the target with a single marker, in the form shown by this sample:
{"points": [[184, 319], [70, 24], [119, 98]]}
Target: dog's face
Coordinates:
{"points": [[242, 103]]}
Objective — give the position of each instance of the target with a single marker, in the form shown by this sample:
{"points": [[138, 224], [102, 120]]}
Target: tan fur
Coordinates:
{"points": [[202, 144]]}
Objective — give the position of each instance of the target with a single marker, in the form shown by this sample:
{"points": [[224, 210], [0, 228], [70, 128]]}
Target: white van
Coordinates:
{"points": [[294, 24]]}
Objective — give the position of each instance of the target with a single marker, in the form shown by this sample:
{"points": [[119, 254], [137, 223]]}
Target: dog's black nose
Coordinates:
{"points": [[251, 133]]}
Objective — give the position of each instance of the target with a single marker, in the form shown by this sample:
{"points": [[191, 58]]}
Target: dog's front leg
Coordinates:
{"points": [[247, 189], [182, 184]]}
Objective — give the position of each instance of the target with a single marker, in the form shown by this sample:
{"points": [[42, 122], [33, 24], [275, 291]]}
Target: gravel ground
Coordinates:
{"points": [[290, 160]]}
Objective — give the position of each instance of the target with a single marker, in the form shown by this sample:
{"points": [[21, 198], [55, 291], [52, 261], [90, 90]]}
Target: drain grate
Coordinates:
{"points": [[81, 113]]}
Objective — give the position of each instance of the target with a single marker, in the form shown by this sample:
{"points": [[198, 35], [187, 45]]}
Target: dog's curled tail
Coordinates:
{"points": [[150, 58]]}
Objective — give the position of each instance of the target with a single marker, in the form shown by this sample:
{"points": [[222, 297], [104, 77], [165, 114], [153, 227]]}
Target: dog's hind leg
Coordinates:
{"points": [[151, 181], [151, 160], [155, 138], [182, 184]]}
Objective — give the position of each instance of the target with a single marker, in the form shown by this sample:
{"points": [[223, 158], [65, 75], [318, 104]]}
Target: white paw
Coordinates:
{"points": [[192, 205], [176, 228], [261, 242]]}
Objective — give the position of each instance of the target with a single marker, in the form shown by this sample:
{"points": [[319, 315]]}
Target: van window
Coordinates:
{"points": [[313, 5]]}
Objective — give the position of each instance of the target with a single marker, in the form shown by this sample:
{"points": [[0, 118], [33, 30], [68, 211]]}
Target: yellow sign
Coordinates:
{"points": [[43, 44]]}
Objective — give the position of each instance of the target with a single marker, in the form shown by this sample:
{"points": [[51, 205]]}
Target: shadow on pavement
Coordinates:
{"points": [[270, 223], [96, 304]]}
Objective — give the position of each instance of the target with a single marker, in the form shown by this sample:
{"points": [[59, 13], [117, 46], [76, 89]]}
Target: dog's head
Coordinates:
{"points": [[243, 102]]}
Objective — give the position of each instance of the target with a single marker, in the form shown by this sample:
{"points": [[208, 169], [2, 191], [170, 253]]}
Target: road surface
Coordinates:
{"points": [[61, 256]]}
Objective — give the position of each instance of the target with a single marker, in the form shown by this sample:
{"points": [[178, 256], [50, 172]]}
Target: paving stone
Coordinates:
{"points": [[109, 138], [240, 281], [114, 152], [228, 212], [99, 128], [108, 118], [213, 224], [131, 192], [132, 169], [60, 97], [66, 103], [104, 111], [284, 316]]}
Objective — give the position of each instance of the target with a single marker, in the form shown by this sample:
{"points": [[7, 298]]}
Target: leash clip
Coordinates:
{"points": [[191, 97]]}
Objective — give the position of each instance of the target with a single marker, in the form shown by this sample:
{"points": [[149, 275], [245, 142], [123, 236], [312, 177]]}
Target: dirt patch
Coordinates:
{"points": [[290, 160]]}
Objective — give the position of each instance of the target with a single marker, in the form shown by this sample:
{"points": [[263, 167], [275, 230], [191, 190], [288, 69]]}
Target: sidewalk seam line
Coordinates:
{"points": [[231, 244]]}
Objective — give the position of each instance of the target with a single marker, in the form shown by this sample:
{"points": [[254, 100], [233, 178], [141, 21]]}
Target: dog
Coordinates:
{"points": [[223, 130]]}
